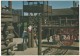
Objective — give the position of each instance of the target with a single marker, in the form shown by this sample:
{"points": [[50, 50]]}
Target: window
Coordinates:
{"points": [[25, 3], [41, 2], [45, 2], [30, 3], [35, 2]]}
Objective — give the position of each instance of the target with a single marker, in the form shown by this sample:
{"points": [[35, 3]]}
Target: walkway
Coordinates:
{"points": [[28, 51], [34, 51]]}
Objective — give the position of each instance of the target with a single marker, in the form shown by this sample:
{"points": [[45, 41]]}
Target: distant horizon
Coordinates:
{"points": [[52, 8], [54, 4]]}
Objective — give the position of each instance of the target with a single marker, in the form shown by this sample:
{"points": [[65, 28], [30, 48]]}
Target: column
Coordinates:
{"points": [[66, 21], [60, 21], [39, 37], [32, 38], [29, 40]]}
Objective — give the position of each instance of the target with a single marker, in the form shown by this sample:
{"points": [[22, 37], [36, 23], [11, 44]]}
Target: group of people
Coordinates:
{"points": [[25, 37], [56, 37], [63, 39], [65, 34]]}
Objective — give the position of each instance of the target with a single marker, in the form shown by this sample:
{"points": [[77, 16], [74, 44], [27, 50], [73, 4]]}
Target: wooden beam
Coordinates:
{"points": [[69, 47], [62, 47], [57, 26]]}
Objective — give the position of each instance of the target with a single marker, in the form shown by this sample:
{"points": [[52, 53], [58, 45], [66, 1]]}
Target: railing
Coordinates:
{"points": [[59, 26], [6, 19], [5, 12]]}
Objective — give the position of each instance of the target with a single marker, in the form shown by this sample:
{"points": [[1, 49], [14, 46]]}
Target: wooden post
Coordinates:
{"points": [[39, 37], [49, 35], [32, 39], [10, 5], [29, 40], [32, 35], [66, 21], [60, 21]]}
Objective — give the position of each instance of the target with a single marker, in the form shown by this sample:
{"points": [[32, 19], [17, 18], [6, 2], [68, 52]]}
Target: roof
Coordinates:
{"points": [[67, 11]]}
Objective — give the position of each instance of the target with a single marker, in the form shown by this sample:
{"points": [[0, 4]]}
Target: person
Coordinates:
{"points": [[57, 38], [25, 36], [48, 38], [10, 35], [68, 37], [9, 38], [61, 37], [53, 38], [35, 39]]}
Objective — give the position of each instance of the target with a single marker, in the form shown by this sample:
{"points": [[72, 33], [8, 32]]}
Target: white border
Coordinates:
{"points": [[39, 0], [0, 27]]}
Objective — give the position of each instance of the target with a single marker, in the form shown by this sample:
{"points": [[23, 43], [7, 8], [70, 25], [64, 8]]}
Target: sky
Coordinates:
{"points": [[54, 4]]}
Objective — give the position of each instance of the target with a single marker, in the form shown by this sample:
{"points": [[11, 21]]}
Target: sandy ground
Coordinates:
{"points": [[34, 50]]}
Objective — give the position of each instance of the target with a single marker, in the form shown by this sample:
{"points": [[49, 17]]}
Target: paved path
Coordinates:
{"points": [[34, 51], [28, 51], [72, 52]]}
